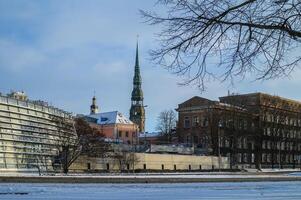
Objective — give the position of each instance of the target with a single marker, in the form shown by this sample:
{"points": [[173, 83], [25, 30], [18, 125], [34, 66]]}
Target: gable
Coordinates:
{"points": [[195, 101]]}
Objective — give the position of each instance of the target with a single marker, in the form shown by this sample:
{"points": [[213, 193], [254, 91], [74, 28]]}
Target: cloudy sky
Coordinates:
{"points": [[61, 51]]}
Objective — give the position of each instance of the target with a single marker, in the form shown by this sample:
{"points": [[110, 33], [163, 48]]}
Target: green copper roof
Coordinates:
{"points": [[137, 57], [137, 77], [137, 112], [137, 94]]}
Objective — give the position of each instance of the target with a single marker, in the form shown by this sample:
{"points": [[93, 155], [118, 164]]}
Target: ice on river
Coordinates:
{"points": [[189, 191]]}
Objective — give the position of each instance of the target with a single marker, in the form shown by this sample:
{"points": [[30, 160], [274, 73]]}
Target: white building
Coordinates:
{"points": [[30, 135]]}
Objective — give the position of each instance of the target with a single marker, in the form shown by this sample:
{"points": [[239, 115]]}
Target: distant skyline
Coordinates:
{"points": [[63, 51]]}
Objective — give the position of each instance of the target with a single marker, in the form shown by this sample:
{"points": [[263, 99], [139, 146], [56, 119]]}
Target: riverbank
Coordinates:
{"points": [[152, 178]]}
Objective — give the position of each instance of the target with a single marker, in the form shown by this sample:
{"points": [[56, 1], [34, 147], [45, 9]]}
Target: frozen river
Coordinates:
{"points": [[252, 190]]}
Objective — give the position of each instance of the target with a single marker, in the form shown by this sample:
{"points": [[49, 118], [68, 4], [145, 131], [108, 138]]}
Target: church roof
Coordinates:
{"points": [[113, 117], [137, 76]]}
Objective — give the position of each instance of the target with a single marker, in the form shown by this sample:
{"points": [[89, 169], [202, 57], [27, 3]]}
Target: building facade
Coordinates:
{"points": [[115, 127], [215, 128], [31, 136], [279, 128], [137, 111], [252, 130]]}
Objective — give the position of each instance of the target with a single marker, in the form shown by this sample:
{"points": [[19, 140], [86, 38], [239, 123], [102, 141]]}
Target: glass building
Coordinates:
{"points": [[32, 133]]}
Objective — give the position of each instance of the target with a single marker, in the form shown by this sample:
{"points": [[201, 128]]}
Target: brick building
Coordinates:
{"points": [[253, 130], [115, 127]]}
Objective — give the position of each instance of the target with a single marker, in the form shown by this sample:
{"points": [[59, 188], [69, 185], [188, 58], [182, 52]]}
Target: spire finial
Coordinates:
{"points": [[137, 54]]}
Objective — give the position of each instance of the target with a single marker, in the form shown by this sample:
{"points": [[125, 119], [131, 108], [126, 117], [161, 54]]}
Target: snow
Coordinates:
{"points": [[113, 117], [147, 134], [188, 175], [190, 191]]}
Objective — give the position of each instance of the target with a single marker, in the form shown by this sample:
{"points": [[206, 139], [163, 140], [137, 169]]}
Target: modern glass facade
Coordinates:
{"points": [[31, 134]]}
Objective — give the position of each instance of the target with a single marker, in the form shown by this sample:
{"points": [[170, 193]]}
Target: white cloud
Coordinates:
{"points": [[19, 57]]}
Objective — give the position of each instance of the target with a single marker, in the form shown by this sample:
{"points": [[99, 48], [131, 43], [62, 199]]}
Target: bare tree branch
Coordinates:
{"points": [[166, 123], [227, 39]]}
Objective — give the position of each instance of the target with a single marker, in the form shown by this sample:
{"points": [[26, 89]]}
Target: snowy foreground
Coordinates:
{"points": [[189, 191]]}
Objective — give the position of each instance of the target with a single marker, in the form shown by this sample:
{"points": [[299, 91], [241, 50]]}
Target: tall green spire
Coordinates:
{"points": [[137, 57], [137, 94], [137, 112], [137, 77]]}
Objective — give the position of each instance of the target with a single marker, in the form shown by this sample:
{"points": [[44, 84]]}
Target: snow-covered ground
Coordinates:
{"points": [[191, 176], [191, 191], [273, 170], [167, 176]]}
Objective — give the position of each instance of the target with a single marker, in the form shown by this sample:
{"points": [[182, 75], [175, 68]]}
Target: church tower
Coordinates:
{"points": [[137, 112], [93, 107]]}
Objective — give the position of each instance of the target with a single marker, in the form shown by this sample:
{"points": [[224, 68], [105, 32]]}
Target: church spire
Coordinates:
{"points": [[137, 112], [93, 107], [137, 57], [137, 77]]}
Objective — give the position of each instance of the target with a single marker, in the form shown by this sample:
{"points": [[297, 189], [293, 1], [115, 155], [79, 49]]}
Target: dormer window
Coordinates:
{"points": [[103, 119]]}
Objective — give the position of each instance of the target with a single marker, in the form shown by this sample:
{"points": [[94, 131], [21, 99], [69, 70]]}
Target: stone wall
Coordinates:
{"points": [[149, 162]]}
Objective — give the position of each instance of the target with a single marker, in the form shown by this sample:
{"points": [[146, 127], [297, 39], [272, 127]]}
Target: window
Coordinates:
{"points": [[263, 158], [205, 122], [127, 134], [268, 131], [245, 126], [3, 99], [13, 101], [268, 144], [240, 124], [186, 122], [120, 134], [227, 143], [195, 139], [245, 157], [268, 158], [239, 157], [3, 107], [12, 108], [188, 139], [195, 121], [239, 145], [244, 143]]}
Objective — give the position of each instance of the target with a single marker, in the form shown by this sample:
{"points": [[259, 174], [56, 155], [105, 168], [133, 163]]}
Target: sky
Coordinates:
{"points": [[63, 51]]}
